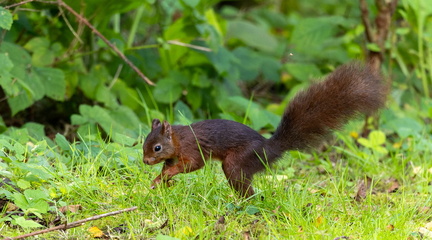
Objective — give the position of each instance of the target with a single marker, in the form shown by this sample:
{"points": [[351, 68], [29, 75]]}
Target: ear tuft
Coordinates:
{"points": [[166, 129], [156, 123]]}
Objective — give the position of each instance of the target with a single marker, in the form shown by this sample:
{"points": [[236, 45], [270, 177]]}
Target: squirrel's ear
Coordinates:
{"points": [[166, 129], [156, 123]]}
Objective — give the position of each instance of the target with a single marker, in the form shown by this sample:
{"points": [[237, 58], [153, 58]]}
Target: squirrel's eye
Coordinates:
{"points": [[157, 148]]}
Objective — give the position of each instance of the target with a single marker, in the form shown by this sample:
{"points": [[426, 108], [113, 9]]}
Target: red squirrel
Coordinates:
{"points": [[350, 90]]}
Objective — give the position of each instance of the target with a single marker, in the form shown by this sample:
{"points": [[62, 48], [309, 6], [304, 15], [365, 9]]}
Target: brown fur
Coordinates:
{"points": [[350, 90]]}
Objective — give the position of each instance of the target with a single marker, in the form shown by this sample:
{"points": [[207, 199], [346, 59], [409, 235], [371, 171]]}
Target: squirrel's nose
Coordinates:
{"points": [[149, 161]]}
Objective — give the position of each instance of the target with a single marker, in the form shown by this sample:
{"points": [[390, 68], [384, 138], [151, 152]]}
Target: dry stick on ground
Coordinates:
{"points": [[80, 18], [72, 224]]}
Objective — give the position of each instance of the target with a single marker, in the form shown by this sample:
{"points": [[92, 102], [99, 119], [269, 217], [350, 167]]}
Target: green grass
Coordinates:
{"points": [[307, 198]]}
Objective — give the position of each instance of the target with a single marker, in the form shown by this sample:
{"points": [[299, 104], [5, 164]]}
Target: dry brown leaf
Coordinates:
{"points": [[424, 209], [11, 207], [390, 227], [394, 185], [312, 190], [363, 189], [221, 220], [71, 208], [246, 235]]}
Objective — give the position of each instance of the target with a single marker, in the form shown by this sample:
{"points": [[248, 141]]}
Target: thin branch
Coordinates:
{"points": [[175, 42], [87, 23], [82, 19], [365, 19], [72, 224], [18, 4]]}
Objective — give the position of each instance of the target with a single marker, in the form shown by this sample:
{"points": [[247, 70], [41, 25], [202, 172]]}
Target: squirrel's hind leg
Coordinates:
{"points": [[238, 179]]}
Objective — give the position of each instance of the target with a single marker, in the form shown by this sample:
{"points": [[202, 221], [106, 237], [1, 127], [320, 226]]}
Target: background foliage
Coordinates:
{"points": [[66, 99]]}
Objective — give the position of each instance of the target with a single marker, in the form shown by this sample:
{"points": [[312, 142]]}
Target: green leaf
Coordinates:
{"points": [[5, 19], [6, 63], [127, 95], [404, 127], [22, 222], [365, 142], [194, 97], [20, 200], [373, 47], [303, 71], [31, 90], [165, 237], [191, 3], [252, 35], [169, 89], [123, 139], [250, 70], [42, 55], [252, 210], [377, 138], [34, 195], [23, 184], [54, 82], [182, 110], [62, 142], [312, 35], [35, 130]]}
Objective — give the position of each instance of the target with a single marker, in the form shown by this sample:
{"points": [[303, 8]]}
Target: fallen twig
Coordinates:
{"points": [[72, 224]]}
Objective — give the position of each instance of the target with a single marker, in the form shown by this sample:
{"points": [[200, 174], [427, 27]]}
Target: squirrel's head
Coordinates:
{"points": [[158, 145]]}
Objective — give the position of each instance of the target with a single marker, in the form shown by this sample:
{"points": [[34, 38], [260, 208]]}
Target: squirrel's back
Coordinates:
{"points": [[350, 90]]}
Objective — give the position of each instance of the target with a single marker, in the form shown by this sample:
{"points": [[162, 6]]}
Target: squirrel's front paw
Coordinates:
{"points": [[156, 182]]}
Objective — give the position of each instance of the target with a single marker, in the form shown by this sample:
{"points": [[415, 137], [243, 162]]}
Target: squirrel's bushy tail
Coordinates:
{"points": [[350, 90]]}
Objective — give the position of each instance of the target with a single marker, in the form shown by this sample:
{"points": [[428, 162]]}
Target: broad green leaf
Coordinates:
{"points": [[252, 35], [312, 35], [23, 184], [54, 82], [6, 78], [6, 63], [105, 96], [31, 90], [62, 142], [377, 138], [36, 170], [20, 200], [5, 19], [128, 96], [404, 127], [22, 222], [250, 70], [123, 139], [125, 117], [191, 3], [19, 57], [165, 237], [251, 210], [373, 47], [365, 142], [194, 97], [169, 89], [42, 54], [35, 130], [217, 22], [182, 110], [303, 71]]}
